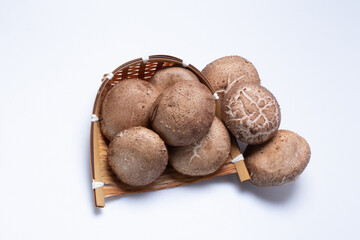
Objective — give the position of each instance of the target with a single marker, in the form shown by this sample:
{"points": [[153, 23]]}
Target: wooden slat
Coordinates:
{"points": [[240, 165], [242, 171], [218, 110], [98, 192]]}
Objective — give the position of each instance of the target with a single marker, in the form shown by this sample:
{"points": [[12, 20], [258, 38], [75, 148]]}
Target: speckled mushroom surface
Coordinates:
{"points": [[251, 112], [224, 72], [278, 161], [206, 155], [127, 105], [167, 77], [137, 156], [183, 113]]}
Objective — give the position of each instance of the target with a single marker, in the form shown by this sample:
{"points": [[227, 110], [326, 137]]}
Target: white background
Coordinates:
{"points": [[53, 55]]}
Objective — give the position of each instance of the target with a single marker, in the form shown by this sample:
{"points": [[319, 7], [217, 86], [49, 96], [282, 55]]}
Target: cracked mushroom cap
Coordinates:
{"points": [[127, 105], [251, 113], [167, 77], [206, 155], [225, 71], [183, 113], [137, 156], [278, 161]]}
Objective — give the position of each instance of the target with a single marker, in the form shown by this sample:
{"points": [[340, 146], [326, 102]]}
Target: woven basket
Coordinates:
{"points": [[105, 183]]}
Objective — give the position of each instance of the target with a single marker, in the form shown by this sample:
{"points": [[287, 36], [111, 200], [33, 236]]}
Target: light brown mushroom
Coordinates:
{"points": [[278, 161], [224, 72], [167, 77], [206, 155], [251, 112], [137, 156], [127, 105], [183, 113]]}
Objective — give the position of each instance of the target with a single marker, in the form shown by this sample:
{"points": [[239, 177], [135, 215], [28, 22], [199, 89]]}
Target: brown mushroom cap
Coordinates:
{"points": [[251, 112], [167, 77], [204, 156], [278, 161], [225, 71], [183, 113], [137, 156], [127, 105]]}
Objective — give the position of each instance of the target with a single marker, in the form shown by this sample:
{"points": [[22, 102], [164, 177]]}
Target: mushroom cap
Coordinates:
{"points": [[167, 77], [206, 155], [225, 71], [278, 161], [137, 156], [183, 113], [127, 105], [251, 112]]}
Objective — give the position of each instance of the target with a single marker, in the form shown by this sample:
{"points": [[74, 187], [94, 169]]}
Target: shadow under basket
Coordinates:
{"points": [[105, 184]]}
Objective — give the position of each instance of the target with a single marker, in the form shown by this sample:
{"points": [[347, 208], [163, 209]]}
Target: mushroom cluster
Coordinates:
{"points": [[170, 118], [252, 114]]}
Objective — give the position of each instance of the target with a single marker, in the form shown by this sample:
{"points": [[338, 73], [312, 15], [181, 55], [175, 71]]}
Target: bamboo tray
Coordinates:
{"points": [[105, 183]]}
